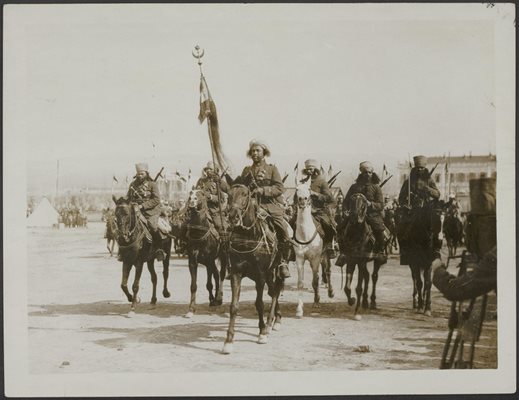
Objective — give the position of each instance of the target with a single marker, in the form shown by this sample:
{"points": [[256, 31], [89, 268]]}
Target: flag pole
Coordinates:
{"points": [[198, 53], [409, 182]]}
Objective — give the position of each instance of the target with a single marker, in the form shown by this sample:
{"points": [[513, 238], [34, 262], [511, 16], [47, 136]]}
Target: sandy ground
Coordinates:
{"points": [[79, 320]]}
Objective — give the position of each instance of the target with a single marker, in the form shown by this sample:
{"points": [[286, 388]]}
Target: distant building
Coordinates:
{"points": [[174, 188], [453, 173]]}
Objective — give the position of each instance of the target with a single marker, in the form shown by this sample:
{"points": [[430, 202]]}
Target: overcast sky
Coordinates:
{"points": [[313, 81]]}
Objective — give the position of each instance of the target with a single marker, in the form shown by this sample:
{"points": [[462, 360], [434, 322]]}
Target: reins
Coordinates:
{"points": [[131, 232], [295, 230]]}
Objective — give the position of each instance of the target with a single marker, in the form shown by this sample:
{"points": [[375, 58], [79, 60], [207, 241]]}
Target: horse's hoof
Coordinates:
{"points": [[153, 305], [219, 302], [299, 313], [138, 300], [418, 311], [263, 339], [428, 313], [331, 294], [316, 305], [357, 317], [227, 348], [269, 330], [166, 294], [212, 303], [373, 305], [131, 313], [276, 326], [189, 314], [365, 305], [351, 301]]}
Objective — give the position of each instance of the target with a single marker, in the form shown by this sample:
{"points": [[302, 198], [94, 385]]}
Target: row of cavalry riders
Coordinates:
{"points": [[242, 224]]}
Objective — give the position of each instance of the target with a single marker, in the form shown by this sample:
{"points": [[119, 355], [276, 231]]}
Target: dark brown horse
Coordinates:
{"points": [[253, 253], [203, 246], [357, 242], [416, 242], [389, 222], [110, 232], [453, 232], [136, 249]]}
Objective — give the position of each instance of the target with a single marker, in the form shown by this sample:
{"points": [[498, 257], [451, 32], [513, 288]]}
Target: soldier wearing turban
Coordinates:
{"points": [[268, 187], [322, 201], [367, 183], [207, 183], [144, 193], [420, 192]]}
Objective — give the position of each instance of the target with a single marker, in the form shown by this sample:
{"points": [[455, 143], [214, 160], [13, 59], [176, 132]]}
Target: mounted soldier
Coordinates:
{"points": [[367, 183], [322, 202], [144, 194], [208, 184], [420, 191], [266, 185], [453, 207]]}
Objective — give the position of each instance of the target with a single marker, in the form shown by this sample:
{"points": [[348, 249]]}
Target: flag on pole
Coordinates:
{"points": [[284, 178], [208, 111], [115, 179], [296, 168], [384, 171], [189, 174], [321, 169], [330, 171]]}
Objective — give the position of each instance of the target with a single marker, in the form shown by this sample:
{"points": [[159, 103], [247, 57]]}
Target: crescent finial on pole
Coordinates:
{"points": [[198, 53]]}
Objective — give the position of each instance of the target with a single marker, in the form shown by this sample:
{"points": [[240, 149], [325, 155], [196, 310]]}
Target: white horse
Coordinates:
{"points": [[309, 245]]}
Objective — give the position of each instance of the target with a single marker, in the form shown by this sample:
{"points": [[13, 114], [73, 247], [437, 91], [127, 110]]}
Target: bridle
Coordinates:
{"points": [[362, 215], [241, 212], [127, 234]]}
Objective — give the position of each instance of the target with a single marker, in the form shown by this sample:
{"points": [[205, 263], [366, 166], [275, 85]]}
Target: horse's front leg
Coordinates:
{"points": [[350, 269], [300, 261], [315, 263], [274, 317], [413, 276], [365, 289], [153, 274], [136, 282], [374, 278], [260, 308], [124, 280], [328, 274], [165, 269], [211, 272], [108, 246], [193, 270], [427, 290], [358, 290], [235, 289]]}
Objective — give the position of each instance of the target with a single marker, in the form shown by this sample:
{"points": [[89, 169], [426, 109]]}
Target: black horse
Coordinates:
{"points": [[453, 232], [203, 246], [389, 222], [135, 248], [416, 241], [356, 242], [110, 232], [253, 253]]}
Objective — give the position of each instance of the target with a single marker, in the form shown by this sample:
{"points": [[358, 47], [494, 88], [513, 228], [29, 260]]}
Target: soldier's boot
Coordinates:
{"points": [[159, 254], [378, 248], [285, 249]]}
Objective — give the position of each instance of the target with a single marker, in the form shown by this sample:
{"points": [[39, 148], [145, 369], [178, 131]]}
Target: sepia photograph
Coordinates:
{"points": [[259, 199]]}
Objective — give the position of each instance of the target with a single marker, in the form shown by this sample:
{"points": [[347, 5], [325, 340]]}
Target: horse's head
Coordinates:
{"points": [[196, 200], [239, 202], [303, 196], [124, 217], [358, 207]]}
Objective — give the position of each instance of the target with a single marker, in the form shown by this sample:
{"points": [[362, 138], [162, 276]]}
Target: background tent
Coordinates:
{"points": [[44, 215]]}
